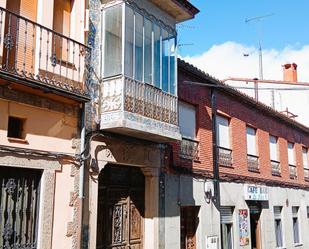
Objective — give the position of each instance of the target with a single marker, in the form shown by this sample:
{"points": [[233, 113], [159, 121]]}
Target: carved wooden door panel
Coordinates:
{"points": [[188, 226], [121, 210]]}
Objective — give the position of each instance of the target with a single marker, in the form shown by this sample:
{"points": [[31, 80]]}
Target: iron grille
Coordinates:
{"points": [[19, 208], [189, 149], [306, 174], [225, 157], [275, 168], [253, 163]]}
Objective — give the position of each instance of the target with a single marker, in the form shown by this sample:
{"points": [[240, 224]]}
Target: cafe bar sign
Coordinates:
{"points": [[256, 192]]}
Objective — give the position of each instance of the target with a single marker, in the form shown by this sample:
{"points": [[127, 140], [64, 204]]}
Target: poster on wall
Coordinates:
{"points": [[243, 227]]}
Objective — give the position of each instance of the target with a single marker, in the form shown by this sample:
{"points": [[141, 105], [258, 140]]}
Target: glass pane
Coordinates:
{"points": [[165, 60], [148, 51], [157, 49], [173, 59], [112, 40], [187, 123], [129, 37], [138, 47]]}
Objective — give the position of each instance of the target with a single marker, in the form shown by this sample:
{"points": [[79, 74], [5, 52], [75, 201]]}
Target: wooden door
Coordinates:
{"points": [[188, 226], [121, 208]]}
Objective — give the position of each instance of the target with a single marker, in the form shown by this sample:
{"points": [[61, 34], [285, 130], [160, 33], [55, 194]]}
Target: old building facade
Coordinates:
{"points": [[43, 88], [239, 177]]}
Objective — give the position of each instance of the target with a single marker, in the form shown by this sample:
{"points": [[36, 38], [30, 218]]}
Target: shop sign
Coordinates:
{"points": [[243, 227], [256, 193]]}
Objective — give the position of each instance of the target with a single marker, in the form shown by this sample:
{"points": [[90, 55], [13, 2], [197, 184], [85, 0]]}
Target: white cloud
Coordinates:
{"points": [[227, 60]]}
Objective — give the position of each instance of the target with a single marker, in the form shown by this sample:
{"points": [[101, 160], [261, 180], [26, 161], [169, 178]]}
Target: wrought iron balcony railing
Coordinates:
{"points": [[275, 168], [189, 149], [306, 174], [253, 163], [38, 56], [149, 101], [225, 157], [293, 171]]}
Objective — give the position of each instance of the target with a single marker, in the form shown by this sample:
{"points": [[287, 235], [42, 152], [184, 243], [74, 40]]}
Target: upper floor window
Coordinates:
{"points": [[251, 141], [305, 158], [223, 132], [252, 158], [149, 48], [273, 146], [187, 120], [291, 155]]}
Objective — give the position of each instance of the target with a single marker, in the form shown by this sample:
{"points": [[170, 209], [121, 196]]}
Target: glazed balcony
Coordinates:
{"points": [[40, 58], [138, 109]]}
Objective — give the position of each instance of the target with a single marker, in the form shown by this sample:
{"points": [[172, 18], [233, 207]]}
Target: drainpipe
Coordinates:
{"points": [[81, 172], [217, 197]]}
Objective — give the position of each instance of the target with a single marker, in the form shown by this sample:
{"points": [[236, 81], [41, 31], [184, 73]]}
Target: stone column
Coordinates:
{"points": [[151, 233]]}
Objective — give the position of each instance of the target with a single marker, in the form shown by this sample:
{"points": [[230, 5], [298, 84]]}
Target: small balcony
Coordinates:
{"points": [[275, 168], [189, 149], [40, 58], [253, 163], [225, 157], [306, 174], [293, 171], [138, 109]]}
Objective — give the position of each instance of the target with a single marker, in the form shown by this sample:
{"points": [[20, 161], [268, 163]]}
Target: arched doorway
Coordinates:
{"points": [[121, 198]]}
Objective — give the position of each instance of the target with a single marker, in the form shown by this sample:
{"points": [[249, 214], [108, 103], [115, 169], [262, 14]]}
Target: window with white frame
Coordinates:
{"points": [[273, 146], [278, 226], [149, 47], [296, 227], [223, 132], [291, 154], [251, 141], [187, 120]]}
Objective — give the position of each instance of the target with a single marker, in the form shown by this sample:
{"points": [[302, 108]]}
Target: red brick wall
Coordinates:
{"points": [[240, 115]]}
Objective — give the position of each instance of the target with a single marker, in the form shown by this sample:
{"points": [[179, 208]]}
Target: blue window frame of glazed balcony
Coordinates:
{"points": [[149, 50], [112, 61]]}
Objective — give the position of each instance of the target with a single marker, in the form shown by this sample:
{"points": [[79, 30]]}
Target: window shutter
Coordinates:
{"points": [[305, 158], [251, 141], [187, 120], [277, 212], [291, 153], [223, 134], [273, 148], [226, 215]]}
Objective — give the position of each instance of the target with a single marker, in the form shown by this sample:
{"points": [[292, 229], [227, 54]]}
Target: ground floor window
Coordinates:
{"points": [[296, 232], [189, 223], [227, 227], [278, 226], [19, 207]]}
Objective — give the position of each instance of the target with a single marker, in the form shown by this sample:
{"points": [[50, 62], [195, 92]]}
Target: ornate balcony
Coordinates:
{"points": [[293, 171], [253, 163], [189, 149], [225, 157], [134, 108], [36, 56], [275, 168]]}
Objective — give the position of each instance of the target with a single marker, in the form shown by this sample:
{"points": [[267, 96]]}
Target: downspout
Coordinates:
{"points": [[81, 174], [217, 196]]}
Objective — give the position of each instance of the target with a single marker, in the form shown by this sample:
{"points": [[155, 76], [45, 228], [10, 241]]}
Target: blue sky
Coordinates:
{"points": [[224, 20]]}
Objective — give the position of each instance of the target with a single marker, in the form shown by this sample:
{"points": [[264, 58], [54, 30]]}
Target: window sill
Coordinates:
{"points": [[17, 140], [298, 244], [227, 166], [254, 171]]}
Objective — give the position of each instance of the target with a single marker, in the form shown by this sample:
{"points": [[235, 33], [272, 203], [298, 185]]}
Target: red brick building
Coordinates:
{"points": [[262, 160]]}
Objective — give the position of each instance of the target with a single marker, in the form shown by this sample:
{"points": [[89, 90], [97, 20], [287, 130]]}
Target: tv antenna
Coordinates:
{"points": [[259, 19]]}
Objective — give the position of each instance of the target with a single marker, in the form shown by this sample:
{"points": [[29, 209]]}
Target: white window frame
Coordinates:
{"points": [[224, 140], [282, 226], [305, 157], [296, 215]]}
